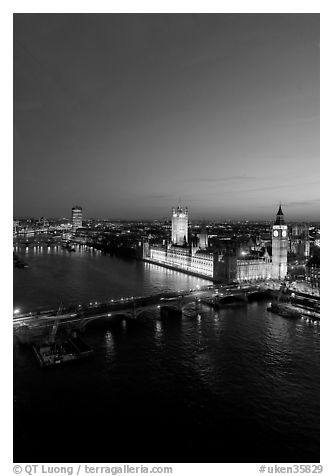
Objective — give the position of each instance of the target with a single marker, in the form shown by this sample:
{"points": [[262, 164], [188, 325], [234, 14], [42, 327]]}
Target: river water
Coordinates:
{"points": [[237, 385]]}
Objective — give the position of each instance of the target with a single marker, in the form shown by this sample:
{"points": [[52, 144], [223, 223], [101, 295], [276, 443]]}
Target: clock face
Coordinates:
{"points": [[284, 233], [276, 233]]}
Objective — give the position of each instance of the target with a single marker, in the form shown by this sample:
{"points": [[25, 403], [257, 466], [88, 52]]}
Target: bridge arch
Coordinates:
{"points": [[257, 294], [232, 298], [106, 317], [153, 307], [190, 304]]}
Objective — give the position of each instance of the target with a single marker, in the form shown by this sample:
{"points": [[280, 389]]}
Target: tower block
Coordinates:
{"points": [[179, 234], [279, 247]]}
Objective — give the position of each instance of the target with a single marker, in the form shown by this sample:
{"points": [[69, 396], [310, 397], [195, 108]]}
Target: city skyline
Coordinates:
{"points": [[129, 114], [163, 218]]}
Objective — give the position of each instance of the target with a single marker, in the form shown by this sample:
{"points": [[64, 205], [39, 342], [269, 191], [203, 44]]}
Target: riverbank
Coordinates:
{"points": [[88, 277]]}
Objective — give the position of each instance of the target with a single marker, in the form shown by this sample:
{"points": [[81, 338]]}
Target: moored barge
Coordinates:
{"points": [[52, 354], [288, 310]]}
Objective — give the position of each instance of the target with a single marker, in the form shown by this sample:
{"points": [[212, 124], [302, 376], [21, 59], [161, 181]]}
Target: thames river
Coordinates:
{"points": [[237, 385]]}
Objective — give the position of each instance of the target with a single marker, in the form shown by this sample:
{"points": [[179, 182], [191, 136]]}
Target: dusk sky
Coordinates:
{"points": [[126, 115]]}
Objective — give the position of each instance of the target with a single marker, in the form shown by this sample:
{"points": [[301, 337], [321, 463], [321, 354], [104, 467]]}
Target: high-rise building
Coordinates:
{"points": [[16, 225], [179, 234], [279, 246], [76, 217]]}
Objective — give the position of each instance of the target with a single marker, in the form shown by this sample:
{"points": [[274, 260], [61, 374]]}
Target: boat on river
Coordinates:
{"points": [[50, 354], [291, 311]]}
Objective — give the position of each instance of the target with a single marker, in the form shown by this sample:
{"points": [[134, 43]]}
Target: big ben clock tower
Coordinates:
{"points": [[279, 247]]}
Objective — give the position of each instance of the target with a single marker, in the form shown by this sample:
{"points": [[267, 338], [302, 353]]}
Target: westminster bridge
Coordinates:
{"points": [[71, 318], [79, 316]]}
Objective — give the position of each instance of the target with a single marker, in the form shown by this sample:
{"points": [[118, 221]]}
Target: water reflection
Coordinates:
{"points": [[199, 317], [110, 345], [216, 320], [158, 332]]}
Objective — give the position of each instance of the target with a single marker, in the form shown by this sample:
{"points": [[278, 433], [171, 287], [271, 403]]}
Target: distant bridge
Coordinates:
{"points": [[78, 317]]}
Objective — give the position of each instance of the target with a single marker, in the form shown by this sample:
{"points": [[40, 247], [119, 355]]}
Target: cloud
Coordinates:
{"points": [[219, 179], [291, 185], [300, 203], [304, 203], [158, 196]]}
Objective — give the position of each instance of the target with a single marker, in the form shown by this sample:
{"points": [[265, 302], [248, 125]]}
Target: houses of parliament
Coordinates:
{"points": [[220, 265]]}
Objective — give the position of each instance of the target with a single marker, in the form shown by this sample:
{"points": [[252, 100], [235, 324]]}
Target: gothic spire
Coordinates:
{"points": [[279, 217]]}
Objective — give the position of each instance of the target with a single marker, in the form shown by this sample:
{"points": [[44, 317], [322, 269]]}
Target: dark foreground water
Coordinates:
{"points": [[238, 385]]}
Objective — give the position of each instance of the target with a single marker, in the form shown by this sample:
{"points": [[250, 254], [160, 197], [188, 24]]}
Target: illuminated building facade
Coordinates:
{"points": [[224, 267], [203, 238], [179, 226], [254, 269], [16, 225], [185, 259], [76, 218], [279, 246], [312, 273], [300, 241]]}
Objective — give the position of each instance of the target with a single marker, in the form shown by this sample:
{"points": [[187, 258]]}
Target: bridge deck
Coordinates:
{"points": [[128, 305], [132, 306]]}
